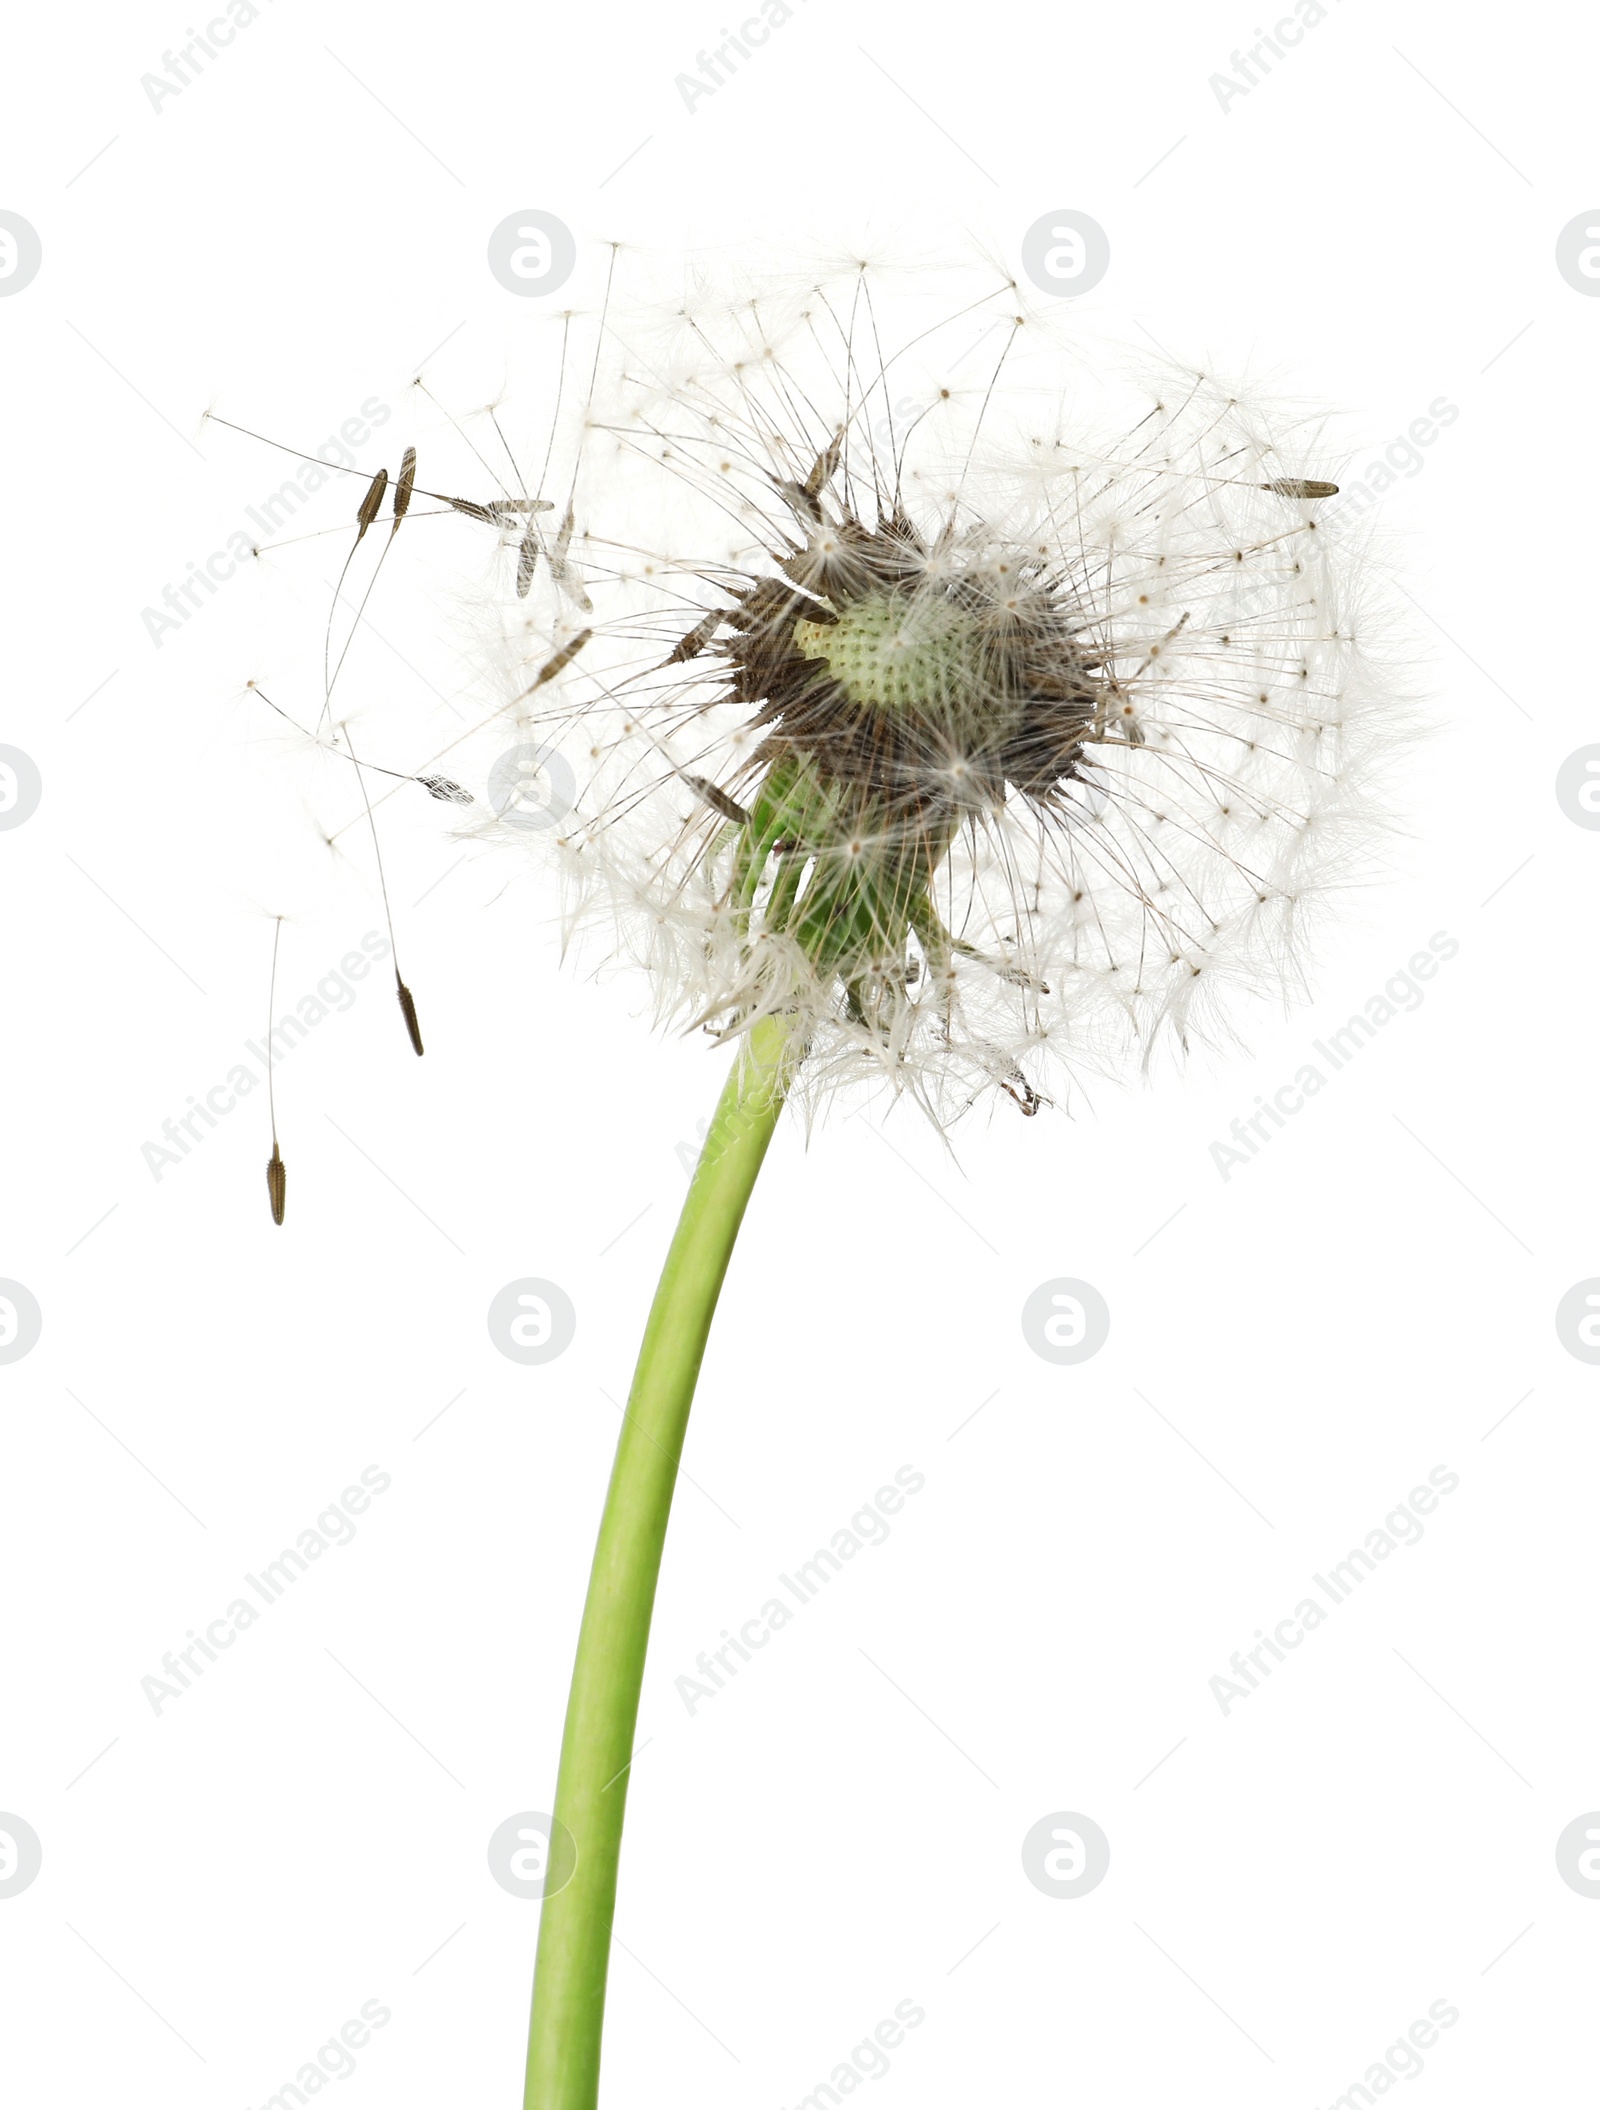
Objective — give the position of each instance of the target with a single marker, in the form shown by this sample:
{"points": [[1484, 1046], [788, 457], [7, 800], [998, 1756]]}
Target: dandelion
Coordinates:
{"points": [[948, 712], [986, 745]]}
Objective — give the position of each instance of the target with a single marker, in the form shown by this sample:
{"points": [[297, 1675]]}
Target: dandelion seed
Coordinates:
{"points": [[730, 809], [437, 787], [367, 512], [277, 1184], [409, 1012], [563, 573], [445, 788], [500, 512], [408, 1008], [695, 641], [277, 1173], [557, 661], [527, 557], [402, 490]]}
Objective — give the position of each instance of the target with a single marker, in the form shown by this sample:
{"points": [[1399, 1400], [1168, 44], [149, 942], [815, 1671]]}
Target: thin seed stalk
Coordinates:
{"points": [[569, 1986]]}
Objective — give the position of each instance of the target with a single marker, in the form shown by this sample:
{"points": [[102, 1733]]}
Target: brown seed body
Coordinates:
{"points": [[557, 660], [368, 510], [409, 1011], [402, 490]]}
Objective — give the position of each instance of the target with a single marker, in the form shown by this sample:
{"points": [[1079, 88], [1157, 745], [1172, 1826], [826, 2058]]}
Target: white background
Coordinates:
{"points": [[1291, 1350]]}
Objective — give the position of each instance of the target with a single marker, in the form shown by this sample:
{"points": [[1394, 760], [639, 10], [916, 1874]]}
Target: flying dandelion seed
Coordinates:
{"points": [[277, 1171]]}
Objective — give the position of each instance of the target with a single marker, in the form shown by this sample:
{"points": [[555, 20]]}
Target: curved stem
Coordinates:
{"points": [[591, 1791]]}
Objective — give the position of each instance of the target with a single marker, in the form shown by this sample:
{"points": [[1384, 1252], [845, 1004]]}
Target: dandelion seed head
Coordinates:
{"points": [[996, 711]]}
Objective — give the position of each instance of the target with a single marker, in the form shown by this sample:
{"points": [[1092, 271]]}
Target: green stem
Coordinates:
{"points": [[591, 1791]]}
